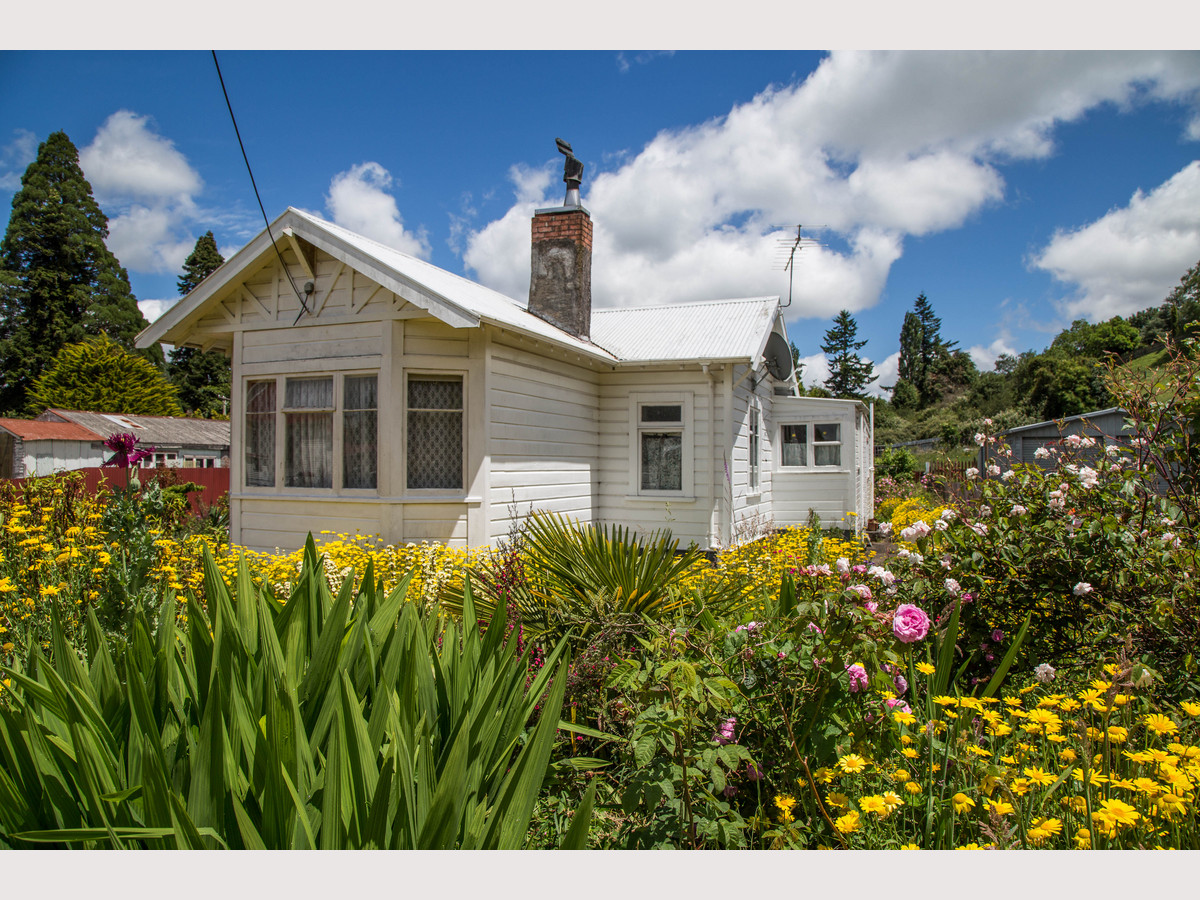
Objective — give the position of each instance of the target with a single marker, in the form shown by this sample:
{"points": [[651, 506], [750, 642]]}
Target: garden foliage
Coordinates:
{"points": [[329, 722]]}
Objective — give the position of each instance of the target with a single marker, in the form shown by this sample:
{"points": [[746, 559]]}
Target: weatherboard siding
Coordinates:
{"points": [[543, 421], [689, 518]]}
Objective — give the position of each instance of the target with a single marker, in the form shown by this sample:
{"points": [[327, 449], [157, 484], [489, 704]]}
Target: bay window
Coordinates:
{"points": [[330, 431]]}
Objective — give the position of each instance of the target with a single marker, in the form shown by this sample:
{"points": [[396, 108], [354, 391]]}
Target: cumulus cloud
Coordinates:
{"points": [[886, 373], [15, 157], [1131, 257], [359, 199], [870, 149], [985, 357], [147, 187], [152, 309], [127, 160]]}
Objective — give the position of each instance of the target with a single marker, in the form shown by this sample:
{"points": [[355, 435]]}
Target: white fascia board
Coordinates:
{"points": [[415, 293]]}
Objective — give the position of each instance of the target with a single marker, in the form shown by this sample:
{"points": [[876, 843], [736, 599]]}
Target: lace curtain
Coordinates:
{"points": [[260, 434], [662, 461], [795, 445], [309, 434], [360, 432], [435, 426]]}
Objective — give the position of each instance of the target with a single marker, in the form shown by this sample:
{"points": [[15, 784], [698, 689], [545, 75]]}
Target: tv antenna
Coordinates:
{"points": [[788, 249]]}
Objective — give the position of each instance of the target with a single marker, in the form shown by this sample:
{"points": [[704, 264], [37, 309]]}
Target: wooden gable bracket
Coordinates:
{"points": [[370, 297], [249, 297], [324, 297], [306, 253]]}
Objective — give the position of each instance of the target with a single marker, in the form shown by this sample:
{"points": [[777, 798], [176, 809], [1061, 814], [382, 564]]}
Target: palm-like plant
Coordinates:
{"points": [[329, 722]]}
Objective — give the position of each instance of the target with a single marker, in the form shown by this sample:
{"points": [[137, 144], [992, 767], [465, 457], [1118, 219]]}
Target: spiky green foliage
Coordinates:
{"points": [[99, 375], [58, 280], [578, 578], [330, 722]]}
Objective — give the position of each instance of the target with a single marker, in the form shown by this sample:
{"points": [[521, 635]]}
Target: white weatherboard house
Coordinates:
{"points": [[374, 392]]}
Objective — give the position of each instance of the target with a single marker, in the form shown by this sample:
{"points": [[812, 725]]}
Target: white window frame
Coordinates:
{"points": [[281, 413], [684, 428], [809, 425], [464, 376], [754, 451]]}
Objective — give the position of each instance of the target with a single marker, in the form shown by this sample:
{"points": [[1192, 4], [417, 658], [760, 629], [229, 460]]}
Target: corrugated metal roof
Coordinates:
{"points": [[34, 430], [718, 329], [1091, 415], [153, 431]]}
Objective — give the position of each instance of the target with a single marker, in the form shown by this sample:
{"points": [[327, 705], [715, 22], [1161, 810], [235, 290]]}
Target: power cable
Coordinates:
{"points": [[303, 306]]}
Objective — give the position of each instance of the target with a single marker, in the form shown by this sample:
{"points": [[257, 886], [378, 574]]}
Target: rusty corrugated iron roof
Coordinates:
{"points": [[37, 430]]}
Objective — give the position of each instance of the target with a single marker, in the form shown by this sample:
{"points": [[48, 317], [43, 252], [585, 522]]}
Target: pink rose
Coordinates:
{"points": [[858, 678], [910, 623]]}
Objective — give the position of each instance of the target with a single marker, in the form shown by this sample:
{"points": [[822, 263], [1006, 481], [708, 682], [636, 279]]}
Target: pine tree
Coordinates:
{"points": [[201, 377], [99, 375], [849, 373], [58, 281]]}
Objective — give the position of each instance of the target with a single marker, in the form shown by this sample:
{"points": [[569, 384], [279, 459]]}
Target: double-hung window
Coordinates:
{"points": [[816, 444], [435, 432], [754, 449], [330, 431], [662, 445]]}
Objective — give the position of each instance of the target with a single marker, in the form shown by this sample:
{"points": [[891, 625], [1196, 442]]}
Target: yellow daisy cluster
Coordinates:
{"points": [[760, 564], [1083, 768], [912, 510]]}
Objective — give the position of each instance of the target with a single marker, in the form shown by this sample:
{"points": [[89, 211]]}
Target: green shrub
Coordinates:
{"points": [[330, 722]]}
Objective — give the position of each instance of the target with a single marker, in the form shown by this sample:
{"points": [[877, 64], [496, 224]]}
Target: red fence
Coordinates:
{"points": [[214, 483]]}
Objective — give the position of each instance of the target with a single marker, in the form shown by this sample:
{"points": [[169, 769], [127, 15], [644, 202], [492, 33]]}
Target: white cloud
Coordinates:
{"points": [[147, 188], [1131, 257], [145, 239], [128, 161], [152, 309], [886, 373], [871, 148], [358, 199], [625, 61], [816, 370], [15, 157], [985, 357]]}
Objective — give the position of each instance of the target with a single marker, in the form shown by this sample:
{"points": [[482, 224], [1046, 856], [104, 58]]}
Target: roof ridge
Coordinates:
{"points": [[688, 305]]}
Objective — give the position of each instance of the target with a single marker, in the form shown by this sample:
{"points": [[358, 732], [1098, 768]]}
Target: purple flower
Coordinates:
{"points": [[753, 772], [124, 454], [725, 734], [858, 678], [899, 704], [910, 624], [997, 636], [900, 684]]}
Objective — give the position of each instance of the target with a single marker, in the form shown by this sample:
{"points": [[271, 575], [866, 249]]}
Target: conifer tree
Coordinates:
{"points": [[99, 375], [849, 373], [201, 377], [58, 281]]}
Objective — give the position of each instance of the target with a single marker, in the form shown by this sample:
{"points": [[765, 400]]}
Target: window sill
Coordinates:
{"points": [[659, 498], [811, 470], [358, 496]]}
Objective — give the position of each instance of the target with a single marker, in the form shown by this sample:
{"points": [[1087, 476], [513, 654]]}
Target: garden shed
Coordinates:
{"points": [[374, 392], [1104, 426]]}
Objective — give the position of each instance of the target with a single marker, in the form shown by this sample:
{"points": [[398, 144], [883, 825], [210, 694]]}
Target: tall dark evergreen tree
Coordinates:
{"points": [[59, 283], [201, 377], [849, 373]]}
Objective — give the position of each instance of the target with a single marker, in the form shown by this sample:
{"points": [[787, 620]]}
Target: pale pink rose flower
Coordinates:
{"points": [[910, 623]]}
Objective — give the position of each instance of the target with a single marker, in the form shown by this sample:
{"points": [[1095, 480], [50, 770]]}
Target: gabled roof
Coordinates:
{"points": [[34, 430], [720, 330], [166, 431]]}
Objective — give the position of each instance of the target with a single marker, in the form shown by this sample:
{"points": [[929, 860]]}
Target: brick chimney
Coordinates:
{"points": [[560, 283]]}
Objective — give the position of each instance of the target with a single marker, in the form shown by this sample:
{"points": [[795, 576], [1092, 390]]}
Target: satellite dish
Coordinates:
{"points": [[778, 357]]}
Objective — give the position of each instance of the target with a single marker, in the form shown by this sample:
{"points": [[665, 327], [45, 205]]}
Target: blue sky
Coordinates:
{"points": [[1018, 191]]}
